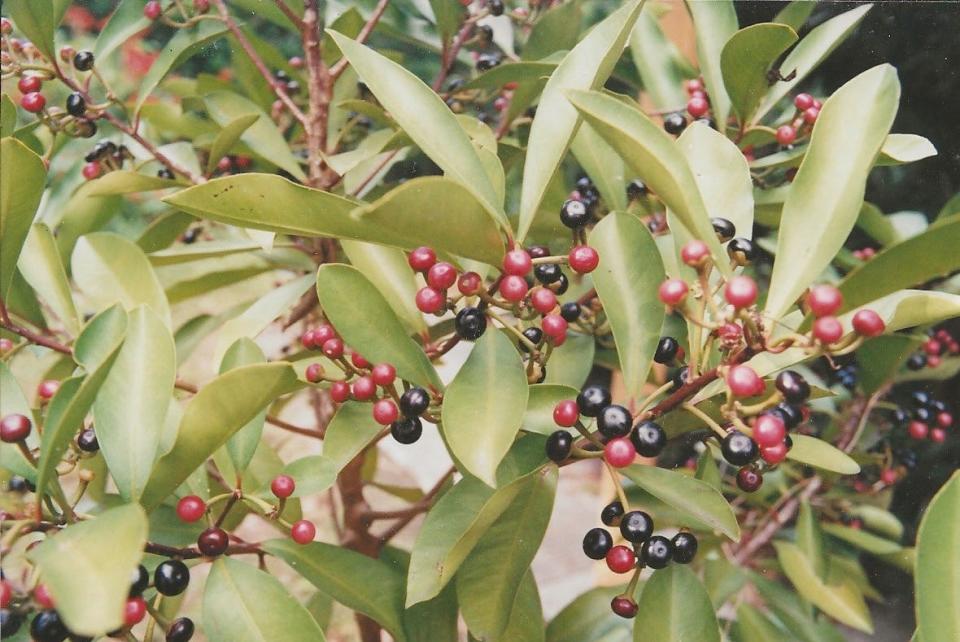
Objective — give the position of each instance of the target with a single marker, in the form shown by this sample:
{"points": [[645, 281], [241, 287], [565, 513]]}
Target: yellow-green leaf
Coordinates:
{"points": [[674, 607], [22, 179], [938, 565]]}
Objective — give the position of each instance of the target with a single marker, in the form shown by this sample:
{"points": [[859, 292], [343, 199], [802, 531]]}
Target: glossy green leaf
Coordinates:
{"points": [[938, 565], [200, 250], [40, 265], [905, 148], [511, 72], [794, 613], [839, 599], [232, 112], [603, 165], [585, 67], [100, 337], [707, 470], [626, 280], [132, 404], [346, 295], [556, 29], [448, 17], [243, 444], [795, 13], [714, 24], [526, 617], [696, 498], [752, 625], [180, 48], [541, 401], [570, 364], [38, 21], [484, 405], [241, 603], [819, 454], [588, 618], [388, 269], [489, 580], [862, 539], [827, 194], [220, 409], [269, 11], [809, 53], [125, 182], [674, 607], [654, 157], [426, 119], [126, 21], [12, 400], [109, 269], [350, 431], [228, 137], [358, 582], [810, 540], [87, 568], [656, 60], [745, 61], [22, 178], [8, 116], [910, 308]]}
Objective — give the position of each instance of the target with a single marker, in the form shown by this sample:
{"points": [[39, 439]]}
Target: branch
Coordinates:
{"points": [[450, 54], [365, 32], [288, 12], [427, 501], [779, 519]]}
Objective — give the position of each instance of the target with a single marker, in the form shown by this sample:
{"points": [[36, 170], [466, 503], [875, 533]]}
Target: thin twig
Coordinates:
{"points": [[288, 12], [365, 32]]}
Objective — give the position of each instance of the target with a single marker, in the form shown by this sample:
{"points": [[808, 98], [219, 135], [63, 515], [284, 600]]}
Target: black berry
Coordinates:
{"points": [[793, 386], [496, 7], [674, 123], [83, 61], [923, 414], [213, 541], [684, 547], [920, 398], [76, 105], [574, 214], [724, 228], [181, 630], [613, 421], [679, 377], [562, 284], [406, 430], [749, 479], [611, 514], [596, 543], [656, 552], [414, 402], [917, 361], [139, 580], [666, 350], [636, 189], [17, 484], [538, 251], [648, 438], [570, 311], [48, 627], [9, 623], [592, 400], [534, 335], [790, 414], [470, 323], [900, 416], [87, 441], [547, 273], [741, 251], [171, 577], [487, 61], [636, 526], [559, 444], [738, 449]]}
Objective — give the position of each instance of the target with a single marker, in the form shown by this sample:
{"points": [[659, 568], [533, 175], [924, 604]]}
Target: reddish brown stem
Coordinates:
{"points": [[365, 32]]}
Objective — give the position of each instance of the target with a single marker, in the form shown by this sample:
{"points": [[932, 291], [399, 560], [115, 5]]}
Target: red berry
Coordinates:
{"points": [[6, 592], [810, 115], [510, 86], [441, 275], [694, 84], [583, 259], [827, 330], [6, 345], [14, 428], [134, 611], [554, 326], [933, 361], [621, 559], [673, 291], [152, 10], [225, 164], [385, 412], [339, 391], [429, 301], [314, 372], [384, 374], [303, 532], [786, 134], [48, 388], [730, 332], [740, 292], [944, 419], [749, 480], [624, 607], [769, 430], [333, 348], [29, 84], [202, 6], [695, 253], [744, 381], [309, 339], [191, 508], [422, 258], [888, 476], [698, 107], [283, 486], [566, 413], [33, 102], [938, 435], [322, 334], [91, 170], [213, 541], [824, 300], [469, 283], [358, 361], [364, 388], [296, 62], [42, 596], [543, 300], [868, 323], [918, 429], [933, 347], [803, 101], [517, 262], [513, 288], [774, 454], [619, 452]]}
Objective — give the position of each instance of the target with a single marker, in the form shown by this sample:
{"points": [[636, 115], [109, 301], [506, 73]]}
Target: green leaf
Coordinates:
{"points": [[863, 539], [905, 148], [588, 618], [810, 540], [483, 406], [132, 404], [570, 364], [109, 269], [269, 11], [8, 116], [13, 401], [819, 454], [656, 60], [745, 61], [38, 21], [347, 295], [557, 29], [448, 17], [358, 582], [910, 308], [126, 21], [42, 268], [707, 470], [714, 24], [587, 66], [826, 196], [674, 607], [809, 53], [232, 112], [511, 72], [125, 182], [655, 158], [88, 565], [228, 137], [102, 335], [22, 179], [426, 119], [243, 444], [540, 403], [181, 47], [602, 165], [244, 604], [526, 619], [388, 269], [752, 625], [794, 613], [696, 498], [839, 599], [795, 13], [938, 565], [220, 409], [626, 280], [488, 582]]}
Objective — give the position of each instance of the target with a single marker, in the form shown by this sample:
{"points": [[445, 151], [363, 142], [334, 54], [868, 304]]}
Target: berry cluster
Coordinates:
{"points": [[105, 156], [938, 344]]}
